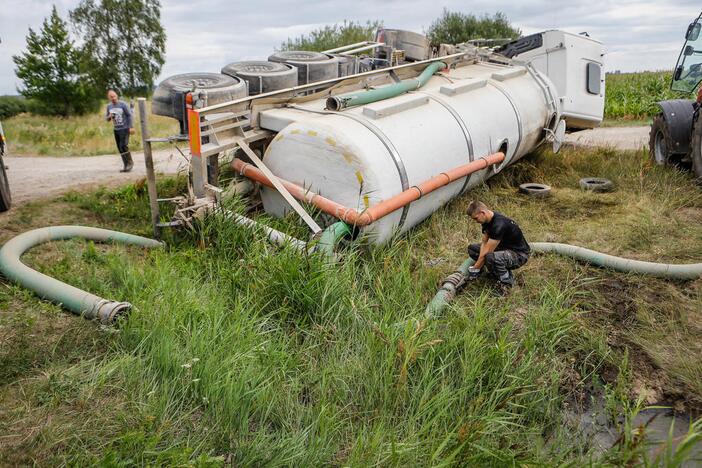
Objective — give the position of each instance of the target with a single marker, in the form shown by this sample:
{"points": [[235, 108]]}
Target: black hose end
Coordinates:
{"points": [[333, 104], [111, 312]]}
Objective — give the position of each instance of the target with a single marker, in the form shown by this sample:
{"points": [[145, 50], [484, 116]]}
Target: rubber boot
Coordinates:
{"points": [[124, 162], [130, 163]]}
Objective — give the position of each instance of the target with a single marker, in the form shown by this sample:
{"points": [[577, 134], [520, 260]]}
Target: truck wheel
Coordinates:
{"points": [[263, 76], [5, 198], [660, 143], [696, 152], [167, 98], [311, 66]]}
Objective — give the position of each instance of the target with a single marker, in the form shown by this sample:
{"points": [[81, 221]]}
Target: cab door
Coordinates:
{"points": [[688, 70]]}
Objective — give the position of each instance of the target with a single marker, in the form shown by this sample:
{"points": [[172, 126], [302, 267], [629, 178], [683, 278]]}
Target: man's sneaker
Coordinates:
{"points": [[503, 289]]}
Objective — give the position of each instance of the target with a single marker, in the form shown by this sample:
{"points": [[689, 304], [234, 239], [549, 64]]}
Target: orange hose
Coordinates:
{"points": [[385, 207]]}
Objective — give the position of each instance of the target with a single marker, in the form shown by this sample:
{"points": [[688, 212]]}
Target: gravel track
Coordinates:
{"points": [[40, 177]]}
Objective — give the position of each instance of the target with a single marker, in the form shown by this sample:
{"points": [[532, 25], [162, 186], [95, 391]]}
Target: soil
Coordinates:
{"points": [[41, 177]]}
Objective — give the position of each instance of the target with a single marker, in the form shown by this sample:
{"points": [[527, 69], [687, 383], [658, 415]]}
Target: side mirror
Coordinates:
{"points": [[693, 31], [678, 72]]}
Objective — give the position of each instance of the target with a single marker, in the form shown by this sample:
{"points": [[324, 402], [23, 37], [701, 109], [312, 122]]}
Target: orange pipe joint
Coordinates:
{"points": [[385, 207]]}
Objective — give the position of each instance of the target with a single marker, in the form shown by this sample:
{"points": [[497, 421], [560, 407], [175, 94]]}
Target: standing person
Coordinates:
{"points": [[121, 116], [503, 247]]}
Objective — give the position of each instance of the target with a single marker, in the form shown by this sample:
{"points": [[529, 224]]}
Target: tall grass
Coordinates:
{"points": [[633, 96], [85, 135], [241, 353]]}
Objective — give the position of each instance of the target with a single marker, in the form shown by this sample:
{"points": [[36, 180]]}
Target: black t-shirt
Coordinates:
{"points": [[505, 230]]}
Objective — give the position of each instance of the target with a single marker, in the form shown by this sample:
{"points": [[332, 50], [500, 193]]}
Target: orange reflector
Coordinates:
{"points": [[194, 132]]}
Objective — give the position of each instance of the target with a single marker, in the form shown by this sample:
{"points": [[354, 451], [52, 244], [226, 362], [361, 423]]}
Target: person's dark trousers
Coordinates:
{"points": [[501, 262], [122, 140]]}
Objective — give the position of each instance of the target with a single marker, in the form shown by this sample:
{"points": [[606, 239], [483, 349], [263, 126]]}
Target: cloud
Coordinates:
{"points": [[206, 35]]}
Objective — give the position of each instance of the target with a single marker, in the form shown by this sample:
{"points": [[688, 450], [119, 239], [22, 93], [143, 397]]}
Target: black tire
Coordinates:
{"points": [[263, 76], [596, 184], [696, 150], [346, 65], [660, 143], [311, 66], [5, 197], [535, 190], [168, 96]]}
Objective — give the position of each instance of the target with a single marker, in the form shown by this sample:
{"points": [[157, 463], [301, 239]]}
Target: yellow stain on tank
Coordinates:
{"points": [[348, 157], [330, 141], [366, 203], [278, 137], [311, 133], [359, 177], [295, 131]]}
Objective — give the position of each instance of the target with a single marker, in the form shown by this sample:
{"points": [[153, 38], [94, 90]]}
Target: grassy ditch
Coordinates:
{"points": [[244, 354], [85, 135]]}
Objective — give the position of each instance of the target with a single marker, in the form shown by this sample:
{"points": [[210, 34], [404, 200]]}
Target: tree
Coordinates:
{"points": [[51, 73], [124, 42], [329, 37], [455, 27]]}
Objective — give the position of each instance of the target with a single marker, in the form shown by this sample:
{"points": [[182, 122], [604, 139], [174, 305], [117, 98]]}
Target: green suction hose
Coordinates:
{"points": [[337, 103], [76, 300]]}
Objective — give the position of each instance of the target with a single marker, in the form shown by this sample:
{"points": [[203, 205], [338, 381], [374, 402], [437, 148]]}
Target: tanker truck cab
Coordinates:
{"points": [[574, 63]]}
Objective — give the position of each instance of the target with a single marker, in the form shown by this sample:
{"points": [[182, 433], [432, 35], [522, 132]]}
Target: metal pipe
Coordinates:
{"points": [[150, 173], [337, 103], [378, 211], [361, 49], [274, 236], [349, 46], [76, 300], [663, 270], [328, 239]]}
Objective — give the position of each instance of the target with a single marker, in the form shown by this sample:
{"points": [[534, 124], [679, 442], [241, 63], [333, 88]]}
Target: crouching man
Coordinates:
{"points": [[503, 247]]}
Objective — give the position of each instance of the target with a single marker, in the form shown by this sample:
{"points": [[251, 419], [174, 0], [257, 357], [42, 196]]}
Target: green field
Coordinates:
{"points": [[238, 353], [633, 96], [86, 135]]}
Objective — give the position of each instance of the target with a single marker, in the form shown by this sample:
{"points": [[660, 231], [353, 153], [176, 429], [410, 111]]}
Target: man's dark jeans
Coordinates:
{"points": [[122, 140], [501, 262]]}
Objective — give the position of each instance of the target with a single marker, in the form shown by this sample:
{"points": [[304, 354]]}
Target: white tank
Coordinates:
{"points": [[363, 155]]}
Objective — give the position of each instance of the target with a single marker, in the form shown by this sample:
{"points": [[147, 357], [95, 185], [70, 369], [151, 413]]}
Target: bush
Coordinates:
{"points": [[13, 105]]}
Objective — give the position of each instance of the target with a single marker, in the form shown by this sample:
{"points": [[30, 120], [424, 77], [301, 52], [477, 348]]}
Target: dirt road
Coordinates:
{"points": [[624, 138], [40, 177]]}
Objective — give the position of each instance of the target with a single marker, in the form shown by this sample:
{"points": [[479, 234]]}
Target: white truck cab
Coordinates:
{"points": [[574, 63]]}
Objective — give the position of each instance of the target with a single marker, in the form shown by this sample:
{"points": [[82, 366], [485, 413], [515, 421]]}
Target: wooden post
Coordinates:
{"points": [[150, 174]]}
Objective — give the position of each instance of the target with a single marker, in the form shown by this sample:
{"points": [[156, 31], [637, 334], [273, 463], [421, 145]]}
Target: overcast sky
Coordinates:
{"points": [[207, 34]]}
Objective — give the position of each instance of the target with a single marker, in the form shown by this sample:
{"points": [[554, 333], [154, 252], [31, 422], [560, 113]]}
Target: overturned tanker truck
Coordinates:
{"points": [[379, 134]]}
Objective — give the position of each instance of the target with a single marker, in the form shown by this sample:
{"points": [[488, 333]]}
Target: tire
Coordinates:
{"points": [[596, 184], [535, 190], [696, 150], [346, 65], [263, 76], [311, 66], [660, 142], [168, 96], [416, 46], [5, 197]]}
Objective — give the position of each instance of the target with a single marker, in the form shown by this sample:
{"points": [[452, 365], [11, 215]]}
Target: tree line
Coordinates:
{"points": [[120, 44]]}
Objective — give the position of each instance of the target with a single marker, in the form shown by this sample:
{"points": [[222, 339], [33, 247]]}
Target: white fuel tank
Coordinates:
{"points": [[363, 155]]}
